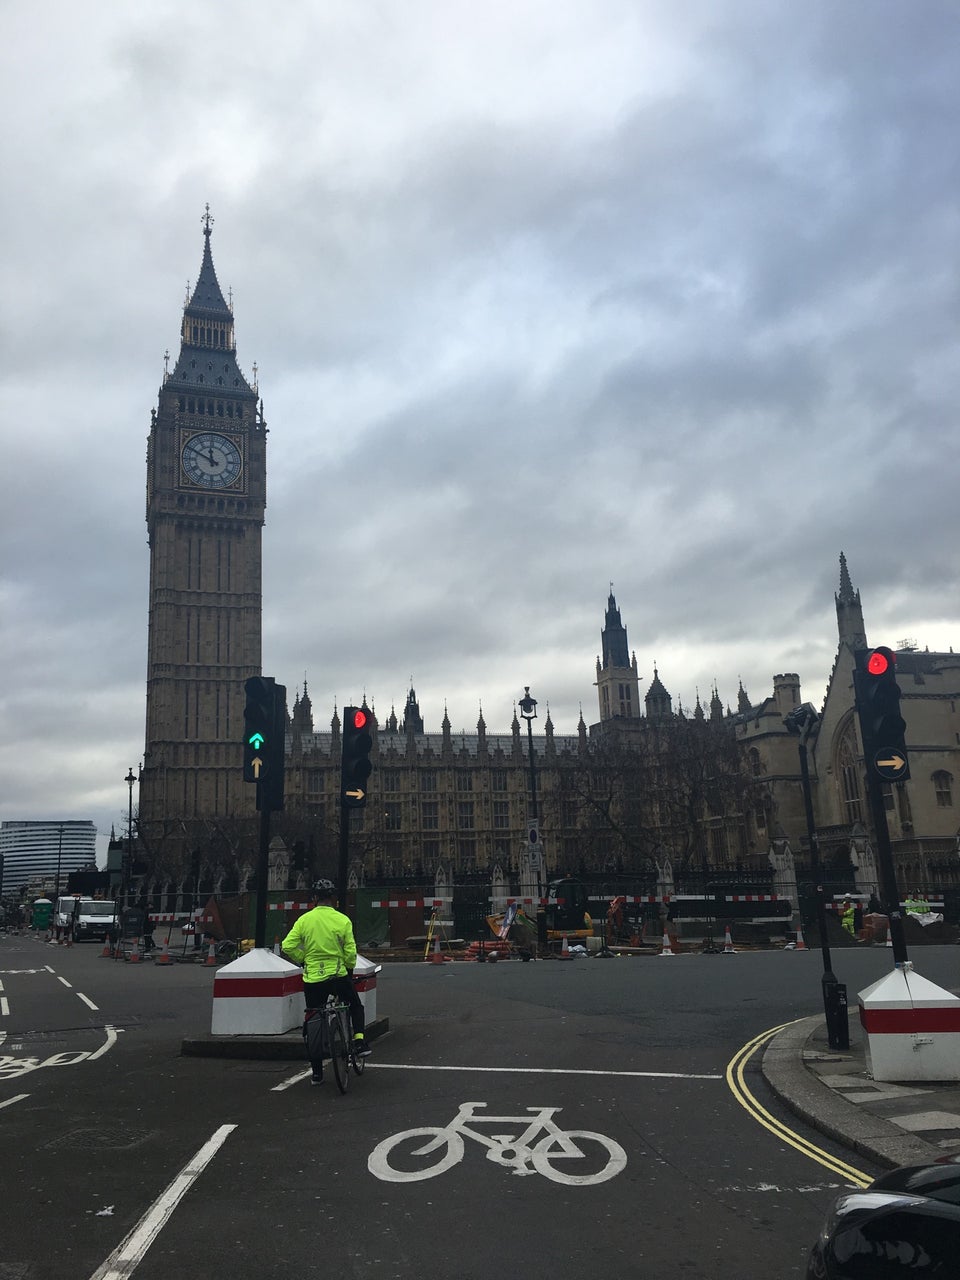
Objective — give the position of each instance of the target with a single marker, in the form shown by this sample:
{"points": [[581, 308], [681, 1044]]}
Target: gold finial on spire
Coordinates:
{"points": [[207, 221]]}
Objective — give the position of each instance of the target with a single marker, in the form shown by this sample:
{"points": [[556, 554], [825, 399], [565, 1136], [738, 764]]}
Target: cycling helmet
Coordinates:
{"points": [[325, 889]]}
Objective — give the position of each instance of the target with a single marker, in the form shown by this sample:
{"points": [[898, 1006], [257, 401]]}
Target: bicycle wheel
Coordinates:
{"points": [[356, 1061], [601, 1157], [339, 1053]]}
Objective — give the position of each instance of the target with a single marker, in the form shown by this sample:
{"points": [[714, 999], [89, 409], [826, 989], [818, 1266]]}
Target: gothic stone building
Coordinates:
{"points": [[649, 791]]}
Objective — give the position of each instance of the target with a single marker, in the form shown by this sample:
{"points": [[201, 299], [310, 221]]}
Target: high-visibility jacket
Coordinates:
{"points": [[322, 941]]}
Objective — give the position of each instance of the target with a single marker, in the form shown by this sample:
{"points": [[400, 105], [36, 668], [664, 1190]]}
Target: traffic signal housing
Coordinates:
{"points": [[264, 731], [356, 766], [882, 727]]}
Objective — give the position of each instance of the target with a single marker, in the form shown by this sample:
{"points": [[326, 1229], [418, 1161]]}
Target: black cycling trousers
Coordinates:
{"points": [[315, 997]]}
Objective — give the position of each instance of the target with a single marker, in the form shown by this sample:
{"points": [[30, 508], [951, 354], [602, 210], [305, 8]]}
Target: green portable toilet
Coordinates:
{"points": [[42, 912]]}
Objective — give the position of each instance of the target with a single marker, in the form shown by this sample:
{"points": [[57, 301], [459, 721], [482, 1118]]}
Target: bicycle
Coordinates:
{"points": [[336, 1040], [540, 1147]]}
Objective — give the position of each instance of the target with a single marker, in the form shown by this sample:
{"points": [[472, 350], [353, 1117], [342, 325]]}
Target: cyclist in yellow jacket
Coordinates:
{"points": [[322, 941]]}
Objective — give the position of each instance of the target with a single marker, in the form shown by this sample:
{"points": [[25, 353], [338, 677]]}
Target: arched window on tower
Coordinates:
{"points": [[943, 789], [848, 775]]}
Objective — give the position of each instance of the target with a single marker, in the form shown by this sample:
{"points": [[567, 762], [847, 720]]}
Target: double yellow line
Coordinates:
{"points": [[739, 1089]]}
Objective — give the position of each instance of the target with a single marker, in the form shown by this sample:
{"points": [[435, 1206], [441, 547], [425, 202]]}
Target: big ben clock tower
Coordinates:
{"points": [[206, 494]]}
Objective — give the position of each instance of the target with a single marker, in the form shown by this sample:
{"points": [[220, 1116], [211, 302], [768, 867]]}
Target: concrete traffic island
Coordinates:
{"points": [[258, 1009]]}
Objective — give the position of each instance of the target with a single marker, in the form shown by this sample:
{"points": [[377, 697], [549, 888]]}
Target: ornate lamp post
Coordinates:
{"points": [[128, 861], [528, 710]]}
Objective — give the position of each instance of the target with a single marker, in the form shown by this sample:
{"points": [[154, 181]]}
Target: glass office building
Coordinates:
{"points": [[32, 851]]}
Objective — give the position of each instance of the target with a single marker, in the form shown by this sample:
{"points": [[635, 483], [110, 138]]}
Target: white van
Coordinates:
{"points": [[88, 917]]}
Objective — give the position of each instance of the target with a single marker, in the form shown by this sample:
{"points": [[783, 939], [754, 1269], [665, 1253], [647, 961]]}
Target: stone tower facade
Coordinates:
{"points": [[206, 495], [618, 685]]}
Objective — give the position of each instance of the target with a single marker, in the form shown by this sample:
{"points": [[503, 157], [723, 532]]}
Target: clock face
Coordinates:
{"points": [[211, 460]]}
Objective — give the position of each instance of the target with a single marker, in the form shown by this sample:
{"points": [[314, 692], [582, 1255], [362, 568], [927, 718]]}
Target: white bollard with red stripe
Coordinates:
{"points": [[257, 994], [365, 984], [911, 1028]]}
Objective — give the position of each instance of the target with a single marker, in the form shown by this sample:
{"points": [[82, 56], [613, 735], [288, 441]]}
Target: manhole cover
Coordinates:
{"points": [[101, 1138]]}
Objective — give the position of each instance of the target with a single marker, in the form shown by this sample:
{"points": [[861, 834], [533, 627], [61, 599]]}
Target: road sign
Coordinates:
{"points": [[890, 765]]}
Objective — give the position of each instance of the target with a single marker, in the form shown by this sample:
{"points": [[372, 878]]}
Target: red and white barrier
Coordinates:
{"points": [[257, 994], [912, 1028]]}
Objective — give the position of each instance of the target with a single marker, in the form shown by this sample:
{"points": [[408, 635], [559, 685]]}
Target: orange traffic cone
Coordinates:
{"points": [[211, 954], [436, 957], [666, 948], [107, 951], [164, 956], [134, 956], [801, 945], [565, 949], [728, 943]]}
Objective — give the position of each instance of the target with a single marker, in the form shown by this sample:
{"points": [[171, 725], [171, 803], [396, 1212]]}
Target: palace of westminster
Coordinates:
{"points": [[648, 793]]}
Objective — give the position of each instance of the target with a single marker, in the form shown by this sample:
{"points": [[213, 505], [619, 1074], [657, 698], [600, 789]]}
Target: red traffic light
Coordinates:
{"points": [[359, 719], [879, 662]]}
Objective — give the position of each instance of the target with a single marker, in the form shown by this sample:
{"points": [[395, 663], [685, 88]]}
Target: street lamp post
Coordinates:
{"points": [[56, 883], [129, 780], [801, 722], [528, 710]]}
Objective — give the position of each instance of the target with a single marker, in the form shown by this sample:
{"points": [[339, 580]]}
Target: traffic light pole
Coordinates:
{"points": [[263, 874], [344, 863], [834, 992], [889, 889]]}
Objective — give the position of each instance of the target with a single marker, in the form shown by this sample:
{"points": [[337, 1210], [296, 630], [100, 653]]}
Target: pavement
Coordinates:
{"points": [[893, 1124]]}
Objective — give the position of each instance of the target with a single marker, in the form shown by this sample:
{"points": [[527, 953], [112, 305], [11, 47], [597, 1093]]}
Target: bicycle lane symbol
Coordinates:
{"points": [[12, 1068], [573, 1157]]}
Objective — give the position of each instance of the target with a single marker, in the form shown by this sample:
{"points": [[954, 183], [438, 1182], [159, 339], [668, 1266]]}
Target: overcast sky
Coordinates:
{"points": [[542, 295]]}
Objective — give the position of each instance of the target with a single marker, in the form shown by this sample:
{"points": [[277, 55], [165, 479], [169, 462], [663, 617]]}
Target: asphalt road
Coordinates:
{"points": [[207, 1164]]}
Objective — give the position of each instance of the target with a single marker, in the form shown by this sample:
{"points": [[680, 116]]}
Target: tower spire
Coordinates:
{"points": [[850, 626]]}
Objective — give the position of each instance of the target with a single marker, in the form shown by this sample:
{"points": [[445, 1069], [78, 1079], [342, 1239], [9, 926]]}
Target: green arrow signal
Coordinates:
{"points": [[256, 741]]}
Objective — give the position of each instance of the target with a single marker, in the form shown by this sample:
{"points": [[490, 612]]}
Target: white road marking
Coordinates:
{"points": [[541, 1147], [546, 1071], [12, 1068], [65, 982], [110, 1041], [129, 1253], [527, 1071], [4, 1007], [285, 1084], [17, 1097], [87, 1001]]}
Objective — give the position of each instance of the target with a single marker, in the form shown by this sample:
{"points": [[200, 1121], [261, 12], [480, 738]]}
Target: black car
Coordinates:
{"points": [[906, 1223]]}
